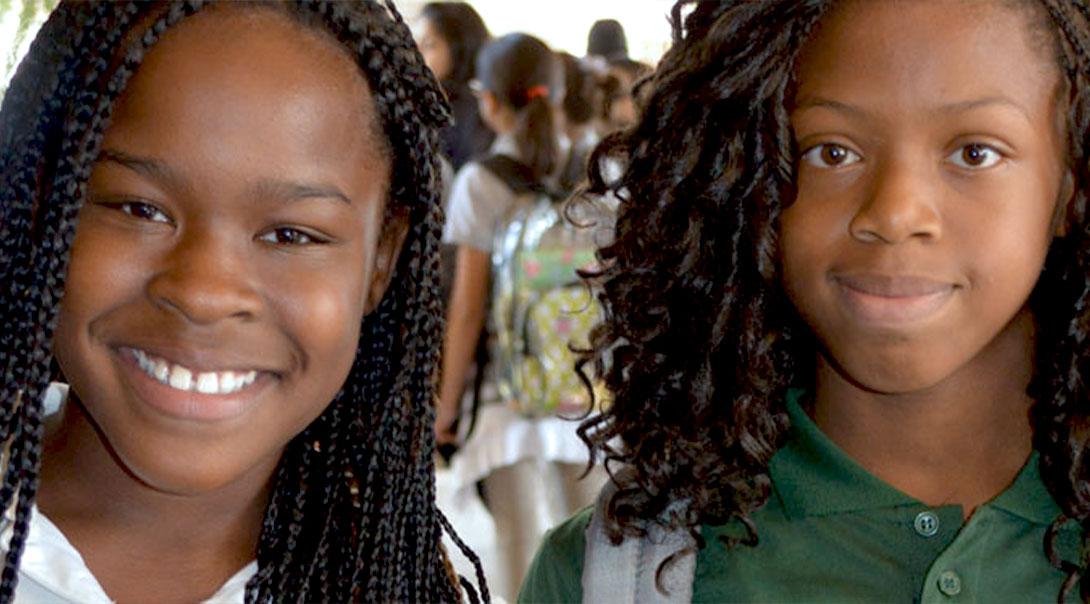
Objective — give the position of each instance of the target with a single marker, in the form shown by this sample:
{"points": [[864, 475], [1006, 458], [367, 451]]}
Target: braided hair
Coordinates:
{"points": [[704, 177], [352, 512]]}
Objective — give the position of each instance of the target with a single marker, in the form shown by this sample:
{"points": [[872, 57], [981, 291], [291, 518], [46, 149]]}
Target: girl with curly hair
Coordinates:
{"points": [[846, 312], [219, 226]]}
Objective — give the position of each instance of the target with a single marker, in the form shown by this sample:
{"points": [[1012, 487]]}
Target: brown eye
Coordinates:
{"points": [[143, 211], [289, 236], [830, 155], [833, 155], [975, 156]]}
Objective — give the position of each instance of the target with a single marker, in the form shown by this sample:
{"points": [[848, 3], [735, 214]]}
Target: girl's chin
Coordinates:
{"points": [[903, 375], [192, 475]]}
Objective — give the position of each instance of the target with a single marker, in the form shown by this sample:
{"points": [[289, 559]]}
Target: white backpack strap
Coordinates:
{"points": [[625, 573]]}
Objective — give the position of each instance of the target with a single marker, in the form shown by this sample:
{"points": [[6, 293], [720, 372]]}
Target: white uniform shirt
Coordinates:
{"points": [[480, 202], [53, 572]]}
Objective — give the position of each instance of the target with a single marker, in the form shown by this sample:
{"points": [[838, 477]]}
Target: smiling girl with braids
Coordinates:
{"points": [[219, 226], [847, 311]]}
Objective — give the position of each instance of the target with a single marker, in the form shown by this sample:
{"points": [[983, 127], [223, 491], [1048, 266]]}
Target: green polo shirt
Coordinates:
{"points": [[832, 532]]}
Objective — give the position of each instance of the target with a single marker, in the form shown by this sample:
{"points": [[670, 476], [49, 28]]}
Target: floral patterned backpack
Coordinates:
{"points": [[540, 308]]}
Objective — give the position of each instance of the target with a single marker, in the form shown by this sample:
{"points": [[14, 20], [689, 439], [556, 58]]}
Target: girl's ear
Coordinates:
{"points": [[489, 103], [493, 113], [390, 243], [1062, 218]]}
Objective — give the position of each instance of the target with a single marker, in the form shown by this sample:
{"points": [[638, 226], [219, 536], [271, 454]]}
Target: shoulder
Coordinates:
{"points": [[557, 570], [474, 178], [479, 202]]}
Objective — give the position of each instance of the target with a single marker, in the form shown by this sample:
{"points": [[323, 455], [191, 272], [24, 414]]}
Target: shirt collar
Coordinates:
{"points": [[505, 144], [812, 476], [1027, 496]]}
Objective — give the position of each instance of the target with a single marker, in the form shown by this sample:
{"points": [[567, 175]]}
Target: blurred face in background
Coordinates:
{"points": [[622, 107], [434, 47]]}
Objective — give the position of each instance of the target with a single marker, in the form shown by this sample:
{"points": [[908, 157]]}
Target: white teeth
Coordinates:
{"points": [[161, 371], [182, 378], [142, 359], [227, 381], [208, 383]]}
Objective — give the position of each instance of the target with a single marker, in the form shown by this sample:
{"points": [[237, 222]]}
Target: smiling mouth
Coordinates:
{"points": [[185, 379]]}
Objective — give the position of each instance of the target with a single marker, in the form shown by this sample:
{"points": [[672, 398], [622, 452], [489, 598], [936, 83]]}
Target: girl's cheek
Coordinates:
{"points": [[323, 307]]}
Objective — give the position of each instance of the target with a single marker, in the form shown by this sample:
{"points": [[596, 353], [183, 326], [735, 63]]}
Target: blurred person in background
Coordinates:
{"points": [[607, 54], [530, 463], [583, 96], [518, 73], [619, 104], [450, 34], [607, 40]]}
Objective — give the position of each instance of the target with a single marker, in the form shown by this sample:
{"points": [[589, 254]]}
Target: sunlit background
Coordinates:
{"points": [[563, 24]]}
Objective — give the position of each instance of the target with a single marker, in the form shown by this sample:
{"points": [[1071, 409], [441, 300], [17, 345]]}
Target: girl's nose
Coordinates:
{"points": [[900, 205], [205, 278]]}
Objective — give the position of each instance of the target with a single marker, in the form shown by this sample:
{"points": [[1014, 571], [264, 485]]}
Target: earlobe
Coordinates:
{"points": [[390, 243]]}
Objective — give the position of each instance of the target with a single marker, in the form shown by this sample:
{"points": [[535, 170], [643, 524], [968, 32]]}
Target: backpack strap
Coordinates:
{"points": [[515, 174], [625, 573]]}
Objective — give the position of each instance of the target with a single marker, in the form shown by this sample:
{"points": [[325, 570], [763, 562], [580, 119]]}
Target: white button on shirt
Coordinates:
{"points": [[53, 572]]}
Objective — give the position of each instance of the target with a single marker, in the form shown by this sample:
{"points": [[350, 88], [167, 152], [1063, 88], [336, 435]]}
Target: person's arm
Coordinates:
{"points": [[465, 319]]}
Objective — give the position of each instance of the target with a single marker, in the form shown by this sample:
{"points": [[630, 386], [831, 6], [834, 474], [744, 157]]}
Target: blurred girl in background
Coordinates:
{"points": [[530, 462], [450, 34]]}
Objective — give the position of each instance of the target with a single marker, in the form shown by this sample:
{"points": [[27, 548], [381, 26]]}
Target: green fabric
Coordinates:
{"points": [[832, 532]]}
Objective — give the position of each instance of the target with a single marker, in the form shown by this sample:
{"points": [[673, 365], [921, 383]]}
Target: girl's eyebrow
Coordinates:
{"points": [[295, 191], [152, 168], [990, 101], [270, 188], [816, 102], [811, 102]]}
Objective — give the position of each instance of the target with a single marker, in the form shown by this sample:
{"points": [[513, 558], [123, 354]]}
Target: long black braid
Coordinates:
{"points": [[352, 514], [706, 173]]}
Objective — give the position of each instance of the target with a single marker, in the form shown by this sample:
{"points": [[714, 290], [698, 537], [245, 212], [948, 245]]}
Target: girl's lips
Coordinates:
{"points": [[188, 403], [892, 299]]}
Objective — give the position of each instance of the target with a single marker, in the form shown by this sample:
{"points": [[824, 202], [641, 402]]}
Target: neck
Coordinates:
{"points": [[501, 119], [961, 441], [99, 505]]}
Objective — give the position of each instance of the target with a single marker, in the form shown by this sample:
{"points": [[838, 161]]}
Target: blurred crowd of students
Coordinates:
{"points": [[525, 119]]}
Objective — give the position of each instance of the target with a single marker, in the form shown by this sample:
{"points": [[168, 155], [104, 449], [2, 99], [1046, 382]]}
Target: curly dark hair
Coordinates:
{"points": [[699, 345], [352, 512]]}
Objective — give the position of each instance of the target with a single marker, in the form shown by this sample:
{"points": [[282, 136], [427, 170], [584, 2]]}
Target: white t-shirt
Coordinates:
{"points": [[53, 572], [480, 203]]}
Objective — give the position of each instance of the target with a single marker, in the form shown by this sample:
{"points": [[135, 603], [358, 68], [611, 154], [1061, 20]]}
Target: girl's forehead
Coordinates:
{"points": [[241, 96], [885, 52], [242, 55], [219, 70]]}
